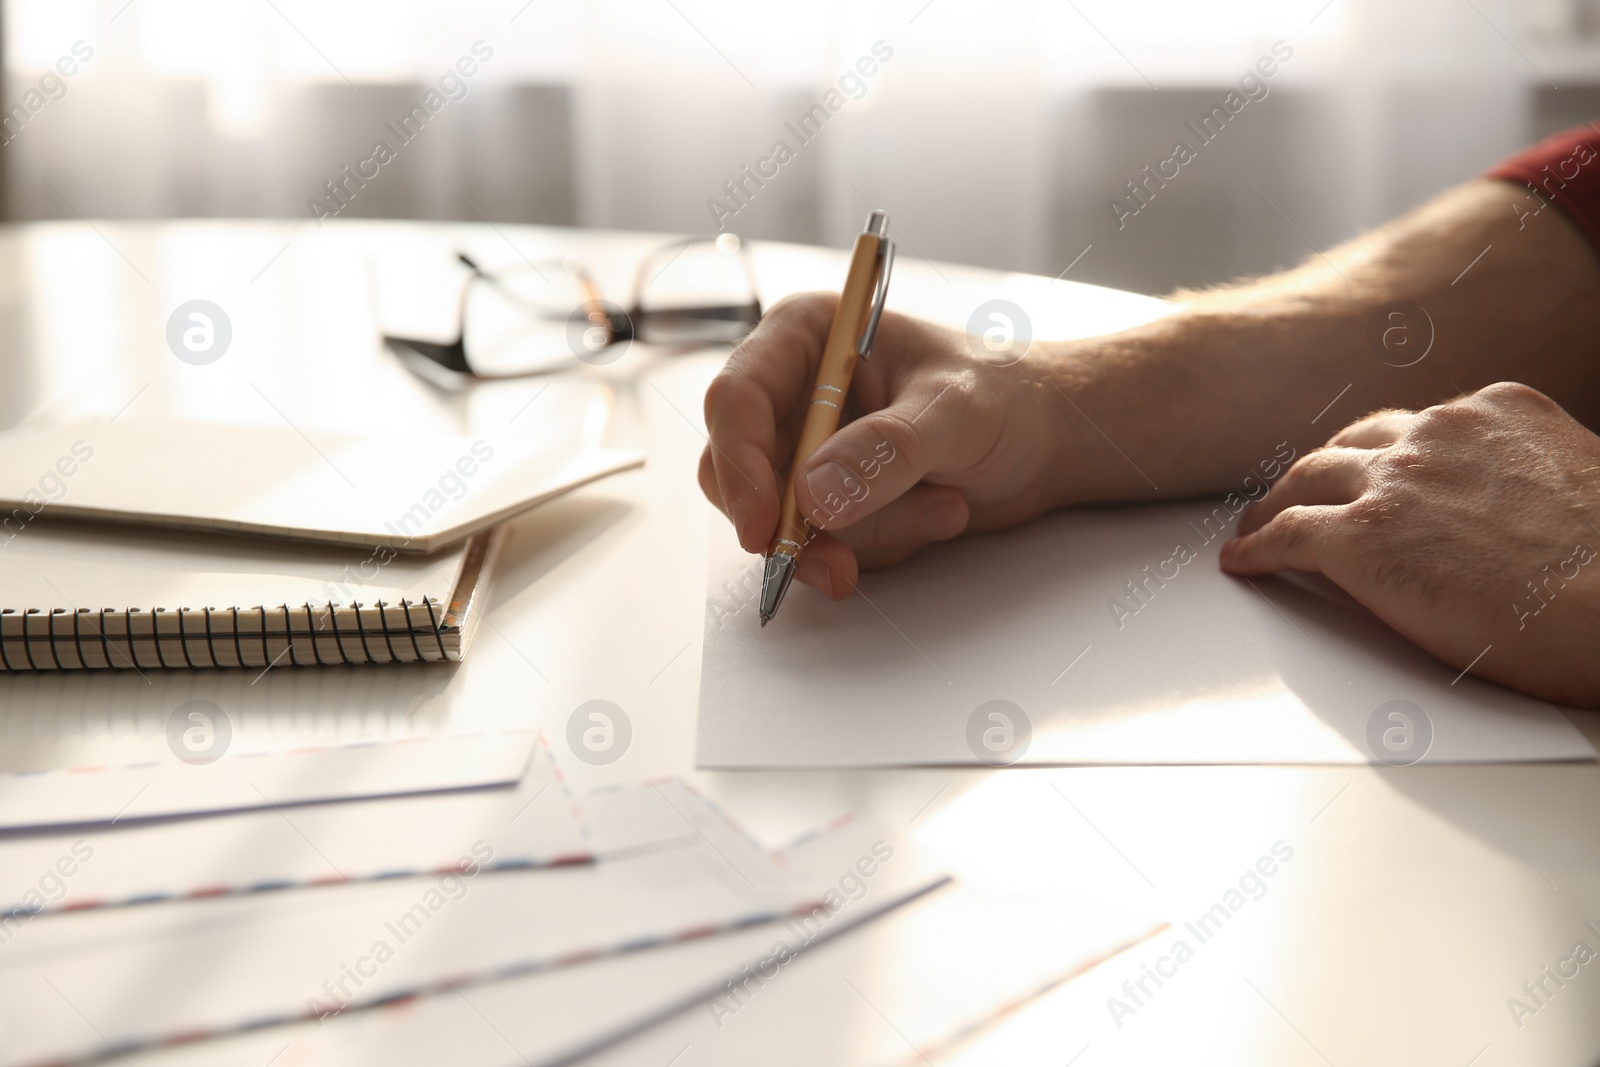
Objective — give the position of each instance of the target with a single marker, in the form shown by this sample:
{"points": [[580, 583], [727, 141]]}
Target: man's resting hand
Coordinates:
{"points": [[1465, 526]]}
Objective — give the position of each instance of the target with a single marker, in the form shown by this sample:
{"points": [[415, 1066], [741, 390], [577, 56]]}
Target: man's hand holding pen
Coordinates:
{"points": [[965, 437]]}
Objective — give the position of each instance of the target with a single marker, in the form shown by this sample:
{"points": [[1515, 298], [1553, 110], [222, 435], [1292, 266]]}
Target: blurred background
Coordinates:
{"points": [[997, 133]]}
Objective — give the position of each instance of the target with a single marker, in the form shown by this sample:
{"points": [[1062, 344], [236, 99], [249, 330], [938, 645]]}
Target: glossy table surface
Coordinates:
{"points": [[1416, 902]]}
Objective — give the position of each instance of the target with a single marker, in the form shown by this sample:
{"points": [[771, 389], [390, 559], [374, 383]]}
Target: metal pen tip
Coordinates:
{"points": [[776, 574]]}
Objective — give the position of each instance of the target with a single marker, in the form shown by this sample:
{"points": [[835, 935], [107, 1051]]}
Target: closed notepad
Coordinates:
{"points": [[91, 596], [417, 493]]}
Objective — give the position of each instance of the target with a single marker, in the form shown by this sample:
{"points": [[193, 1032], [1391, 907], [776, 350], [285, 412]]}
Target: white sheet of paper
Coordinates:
{"points": [[531, 1020], [547, 1018], [85, 795], [202, 966], [533, 824], [902, 990], [1210, 669], [416, 493]]}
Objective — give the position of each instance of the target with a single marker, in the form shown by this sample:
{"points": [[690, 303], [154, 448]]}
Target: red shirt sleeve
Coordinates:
{"points": [[1563, 169]]}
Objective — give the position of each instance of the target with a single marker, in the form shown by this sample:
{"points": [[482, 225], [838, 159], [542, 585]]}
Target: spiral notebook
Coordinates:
{"points": [[92, 596]]}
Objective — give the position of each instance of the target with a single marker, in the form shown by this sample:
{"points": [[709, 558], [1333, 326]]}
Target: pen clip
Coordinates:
{"points": [[886, 261]]}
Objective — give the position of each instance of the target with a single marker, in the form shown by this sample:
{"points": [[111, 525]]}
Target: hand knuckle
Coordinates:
{"points": [[1303, 467], [1295, 515], [1289, 478], [1349, 433], [1515, 393], [717, 392], [1292, 524], [731, 390], [898, 431], [1322, 458], [1452, 417]]}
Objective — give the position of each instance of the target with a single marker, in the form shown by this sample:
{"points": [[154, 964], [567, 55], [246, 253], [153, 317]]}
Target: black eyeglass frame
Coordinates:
{"points": [[619, 325]]}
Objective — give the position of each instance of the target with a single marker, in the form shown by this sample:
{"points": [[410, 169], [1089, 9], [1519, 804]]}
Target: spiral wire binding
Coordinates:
{"points": [[203, 643]]}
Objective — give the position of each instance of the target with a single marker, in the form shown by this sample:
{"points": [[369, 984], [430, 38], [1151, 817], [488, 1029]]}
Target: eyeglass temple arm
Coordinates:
{"points": [[684, 242], [450, 355], [619, 324], [479, 272]]}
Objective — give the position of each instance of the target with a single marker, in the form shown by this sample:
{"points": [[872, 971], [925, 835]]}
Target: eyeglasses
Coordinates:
{"points": [[540, 317]]}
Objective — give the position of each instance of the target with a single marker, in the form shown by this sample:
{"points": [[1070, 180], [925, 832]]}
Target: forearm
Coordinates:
{"points": [[1194, 402]]}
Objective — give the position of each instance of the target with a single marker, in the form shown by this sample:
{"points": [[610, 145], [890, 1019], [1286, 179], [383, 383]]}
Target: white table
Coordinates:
{"points": [[1418, 899]]}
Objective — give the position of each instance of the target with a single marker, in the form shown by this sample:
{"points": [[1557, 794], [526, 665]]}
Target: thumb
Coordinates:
{"points": [[873, 461]]}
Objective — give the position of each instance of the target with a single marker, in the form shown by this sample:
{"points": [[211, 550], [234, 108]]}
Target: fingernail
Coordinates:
{"points": [[737, 513], [815, 573], [944, 519], [830, 484]]}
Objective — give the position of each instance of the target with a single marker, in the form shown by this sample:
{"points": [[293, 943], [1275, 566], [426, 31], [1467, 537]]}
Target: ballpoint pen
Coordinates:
{"points": [[855, 324]]}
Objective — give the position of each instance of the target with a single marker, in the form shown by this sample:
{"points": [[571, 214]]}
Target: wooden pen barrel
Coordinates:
{"points": [[833, 382]]}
